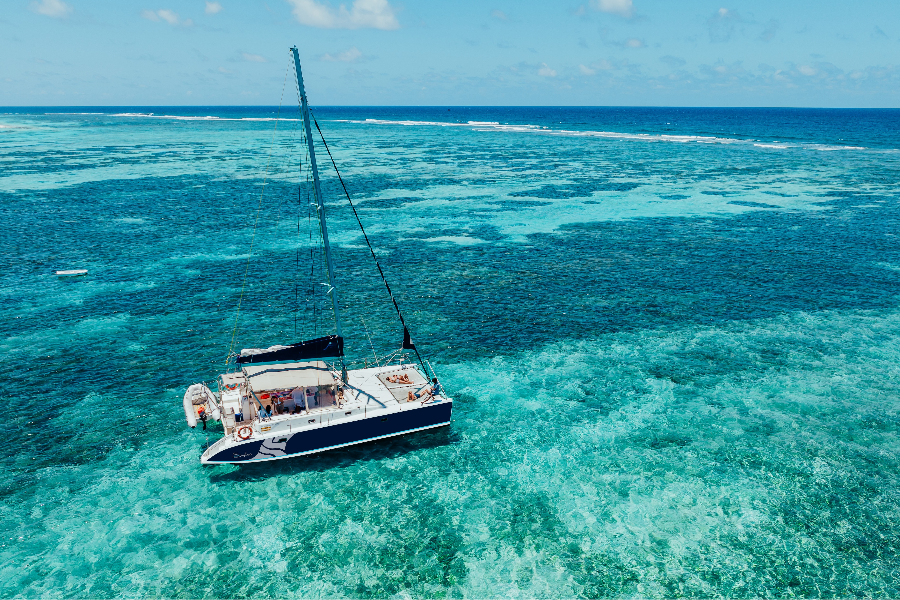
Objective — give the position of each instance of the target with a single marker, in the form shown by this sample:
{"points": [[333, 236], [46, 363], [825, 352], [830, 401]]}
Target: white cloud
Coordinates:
{"points": [[166, 15], [586, 70], [212, 7], [52, 8], [351, 55], [634, 43], [363, 14], [546, 71], [623, 8], [253, 57], [499, 15]]}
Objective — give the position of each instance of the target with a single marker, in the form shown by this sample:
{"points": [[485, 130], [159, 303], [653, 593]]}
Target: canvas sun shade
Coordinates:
{"points": [[264, 378]]}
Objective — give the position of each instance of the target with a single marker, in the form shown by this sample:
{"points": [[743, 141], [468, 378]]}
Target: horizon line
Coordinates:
{"points": [[447, 106]]}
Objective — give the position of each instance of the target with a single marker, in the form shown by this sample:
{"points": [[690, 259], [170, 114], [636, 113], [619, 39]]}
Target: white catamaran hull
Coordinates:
{"points": [[308, 434]]}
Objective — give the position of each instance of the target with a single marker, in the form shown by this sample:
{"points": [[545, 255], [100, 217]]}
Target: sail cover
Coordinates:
{"points": [[323, 347], [407, 342]]}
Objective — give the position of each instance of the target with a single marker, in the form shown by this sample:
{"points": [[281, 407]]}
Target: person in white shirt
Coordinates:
{"points": [[299, 396]]}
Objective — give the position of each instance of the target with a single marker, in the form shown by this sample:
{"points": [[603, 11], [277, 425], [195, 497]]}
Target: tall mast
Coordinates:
{"points": [[320, 204]]}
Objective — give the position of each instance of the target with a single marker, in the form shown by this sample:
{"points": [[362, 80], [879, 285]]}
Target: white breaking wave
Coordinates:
{"points": [[827, 148], [613, 135], [197, 118], [508, 128], [528, 128]]}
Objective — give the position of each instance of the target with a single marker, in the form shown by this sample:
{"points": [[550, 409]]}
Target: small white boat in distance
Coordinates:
{"points": [[72, 273]]}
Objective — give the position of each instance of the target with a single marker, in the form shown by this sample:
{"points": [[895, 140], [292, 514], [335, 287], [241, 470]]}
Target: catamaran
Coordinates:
{"points": [[300, 398]]}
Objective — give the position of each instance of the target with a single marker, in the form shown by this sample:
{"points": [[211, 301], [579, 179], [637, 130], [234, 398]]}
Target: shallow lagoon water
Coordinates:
{"points": [[673, 337]]}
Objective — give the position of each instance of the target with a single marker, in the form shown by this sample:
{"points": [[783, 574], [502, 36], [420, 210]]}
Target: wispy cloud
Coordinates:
{"points": [[673, 61], [594, 67], [770, 30], [253, 58], [363, 14], [212, 7], [546, 71], [627, 43], [735, 71], [52, 8], [166, 15], [499, 15], [351, 55], [723, 25], [623, 8]]}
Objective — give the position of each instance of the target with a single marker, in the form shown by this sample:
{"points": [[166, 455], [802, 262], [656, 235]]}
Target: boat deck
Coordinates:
{"points": [[368, 391]]}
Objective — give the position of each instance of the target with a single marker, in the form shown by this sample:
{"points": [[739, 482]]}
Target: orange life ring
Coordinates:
{"points": [[231, 386], [240, 432]]}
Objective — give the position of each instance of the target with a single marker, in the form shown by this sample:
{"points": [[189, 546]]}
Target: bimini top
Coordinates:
{"points": [[284, 376]]}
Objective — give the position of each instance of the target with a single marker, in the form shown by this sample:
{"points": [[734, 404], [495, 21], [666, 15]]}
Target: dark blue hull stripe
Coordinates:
{"points": [[331, 437], [372, 439]]}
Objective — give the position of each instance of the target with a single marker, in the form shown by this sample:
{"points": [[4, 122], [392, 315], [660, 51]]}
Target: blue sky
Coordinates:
{"points": [[414, 52]]}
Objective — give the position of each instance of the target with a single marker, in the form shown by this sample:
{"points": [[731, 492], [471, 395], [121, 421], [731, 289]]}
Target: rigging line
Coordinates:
{"points": [[375, 354], [256, 221], [366, 237]]}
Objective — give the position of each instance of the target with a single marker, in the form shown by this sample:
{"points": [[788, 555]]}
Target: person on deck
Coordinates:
{"points": [[299, 396], [429, 391], [265, 413]]}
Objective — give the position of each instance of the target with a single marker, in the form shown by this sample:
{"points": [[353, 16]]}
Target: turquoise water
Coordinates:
{"points": [[672, 335]]}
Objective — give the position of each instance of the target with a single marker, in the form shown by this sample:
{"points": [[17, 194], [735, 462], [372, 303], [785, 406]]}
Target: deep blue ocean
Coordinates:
{"points": [[672, 336]]}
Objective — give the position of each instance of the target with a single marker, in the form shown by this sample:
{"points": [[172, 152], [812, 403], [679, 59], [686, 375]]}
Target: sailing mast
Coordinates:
{"points": [[320, 205]]}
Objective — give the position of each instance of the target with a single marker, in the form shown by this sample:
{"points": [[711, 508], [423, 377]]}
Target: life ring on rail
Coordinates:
{"points": [[248, 429], [231, 386]]}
